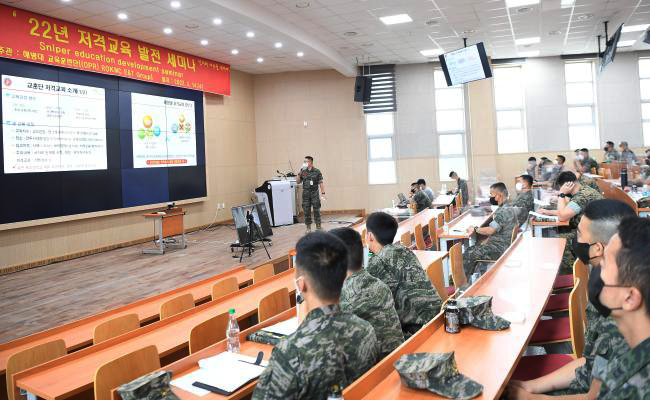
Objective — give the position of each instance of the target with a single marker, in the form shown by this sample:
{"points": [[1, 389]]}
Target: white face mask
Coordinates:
{"points": [[304, 165], [519, 186], [549, 169]]}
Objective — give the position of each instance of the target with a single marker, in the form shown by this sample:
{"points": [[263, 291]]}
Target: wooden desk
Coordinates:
{"points": [[74, 373], [457, 228], [191, 363], [79, 333], [426, 257], [167, 223], [535, 224], [408, 225], [489, 357], [611, 189]]}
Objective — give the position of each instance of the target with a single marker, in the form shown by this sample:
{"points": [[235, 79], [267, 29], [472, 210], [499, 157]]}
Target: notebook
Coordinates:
{"points": [[283, 328]]}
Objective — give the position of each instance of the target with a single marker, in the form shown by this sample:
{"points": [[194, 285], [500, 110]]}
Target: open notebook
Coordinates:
{"points": [[226, 372], [543, 217]]}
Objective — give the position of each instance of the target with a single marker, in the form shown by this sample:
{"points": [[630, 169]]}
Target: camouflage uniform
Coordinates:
{"points": [[626, 376], [370, 299], [416, 301], [462, 188], [603, 339], [154, 386], [586, 181], [329, 347], [311, 178], [578, 203], [421, 201], [588, 164], [628, 156], [525, 203], [612, 155], [503, 221]]}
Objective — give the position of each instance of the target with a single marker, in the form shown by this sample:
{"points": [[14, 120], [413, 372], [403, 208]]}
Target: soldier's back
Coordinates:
{"points": [[329, 347]]}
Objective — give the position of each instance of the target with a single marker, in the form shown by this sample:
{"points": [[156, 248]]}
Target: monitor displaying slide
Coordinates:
{"points": [[164, 131], [52, 126], [465, 65]]}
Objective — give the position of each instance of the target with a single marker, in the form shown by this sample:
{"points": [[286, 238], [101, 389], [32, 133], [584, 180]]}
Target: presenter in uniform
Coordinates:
{"points": [[311, 179]]}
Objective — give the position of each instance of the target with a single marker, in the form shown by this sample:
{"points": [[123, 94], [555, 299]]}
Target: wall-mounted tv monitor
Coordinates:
{"points": [[466, 65], [610, 50]]}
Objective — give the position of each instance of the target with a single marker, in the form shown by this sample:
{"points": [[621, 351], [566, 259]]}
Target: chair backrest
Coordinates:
{"points": [[29, 358], [225, 286], [456, 261], [435, 274], [576, 319], [115, 327], [363, 236], [433, 234], [273, 304], [515, 231], [263, 272], [581, 272], [124, 369], [460, 199], [419, 238], [176, 305], [405, 239], [208, 332], [440, 220], [447, 216]]}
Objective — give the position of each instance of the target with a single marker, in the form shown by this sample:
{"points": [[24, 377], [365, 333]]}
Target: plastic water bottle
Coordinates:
{"points": [[232, 333], [335, 393]]}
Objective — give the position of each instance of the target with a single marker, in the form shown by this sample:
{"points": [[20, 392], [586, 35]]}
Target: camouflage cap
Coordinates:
{"points": [[477, 311], [437, 373], [153, 386]]}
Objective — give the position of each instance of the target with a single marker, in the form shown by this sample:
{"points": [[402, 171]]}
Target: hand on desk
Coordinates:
{"points": [[518, 390], [470, 230]]}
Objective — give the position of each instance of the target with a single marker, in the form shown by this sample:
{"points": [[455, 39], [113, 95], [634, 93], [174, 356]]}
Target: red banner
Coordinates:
{"points": [[36, 38]]}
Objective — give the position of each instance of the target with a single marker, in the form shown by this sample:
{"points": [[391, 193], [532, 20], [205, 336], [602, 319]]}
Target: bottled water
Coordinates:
{"points": [[232, 332]]}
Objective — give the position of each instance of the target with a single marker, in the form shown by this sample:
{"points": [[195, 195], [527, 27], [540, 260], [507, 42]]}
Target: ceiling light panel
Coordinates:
{"points": [[396, 19], [528, 40]]}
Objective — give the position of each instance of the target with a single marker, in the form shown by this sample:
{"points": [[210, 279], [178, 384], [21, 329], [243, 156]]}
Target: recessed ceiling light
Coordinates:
{"points": [[300, 54], [555, 33], [634, 28], [65, 1], [431, 22], [217, 21], [524, 41], [468, 31], [234, 52], [250, 34], [302, 4], [520, 3], [175, 4], [192, 26], [260, 60], [431, 52], [204, 42], [626, 43], [567, 3], [278, 45], [396, 19], [350, 33], [122, 16], [528, 53], [168, 31], [584, 17], [524, 10]]}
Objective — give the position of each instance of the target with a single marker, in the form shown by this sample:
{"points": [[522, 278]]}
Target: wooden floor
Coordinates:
{"points": [[41, 298]]}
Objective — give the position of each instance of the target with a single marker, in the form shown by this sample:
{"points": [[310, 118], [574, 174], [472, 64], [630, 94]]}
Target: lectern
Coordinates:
{"points": [[167, 223]]}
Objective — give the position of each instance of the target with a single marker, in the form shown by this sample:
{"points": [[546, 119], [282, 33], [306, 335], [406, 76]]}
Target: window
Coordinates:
{"points": [[510, 108], [581, 101], [381, 159], [644, 75], [450, 125]]}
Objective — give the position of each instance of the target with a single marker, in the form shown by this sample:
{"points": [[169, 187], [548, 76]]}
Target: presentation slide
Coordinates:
{"points": [[464, 65], [164, 131], [52, 126]]}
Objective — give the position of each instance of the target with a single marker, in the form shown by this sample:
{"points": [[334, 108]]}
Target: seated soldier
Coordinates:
{"points": [[524, 202], [499, 232], [331, 346], [416, 301], [367, 297], [420, 198], [602, 339], [572, 201], [624, 293]]}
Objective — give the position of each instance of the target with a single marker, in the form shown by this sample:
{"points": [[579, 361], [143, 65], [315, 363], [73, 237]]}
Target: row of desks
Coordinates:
{"points": [[486, 356]]}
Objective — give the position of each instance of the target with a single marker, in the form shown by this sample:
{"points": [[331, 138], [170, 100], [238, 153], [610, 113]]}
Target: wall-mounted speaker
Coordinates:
{"points": [[646, 39], [362, 89]]}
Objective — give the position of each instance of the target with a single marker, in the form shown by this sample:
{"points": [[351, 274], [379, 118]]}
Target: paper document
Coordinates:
{"points": [[185, 382], [227, 359], [541, 203], [542, 217], [284, 328]]}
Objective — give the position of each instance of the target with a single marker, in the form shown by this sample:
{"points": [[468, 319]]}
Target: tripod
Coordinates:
{"points": [[252, 231]]}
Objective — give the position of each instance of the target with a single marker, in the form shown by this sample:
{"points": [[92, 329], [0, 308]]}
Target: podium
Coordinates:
{"points": [[277, 197], [167, 224]]}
